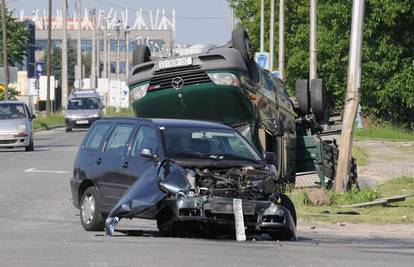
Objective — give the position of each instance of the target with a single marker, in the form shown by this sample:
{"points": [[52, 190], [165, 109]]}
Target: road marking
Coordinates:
{"points": [[45, 171]]}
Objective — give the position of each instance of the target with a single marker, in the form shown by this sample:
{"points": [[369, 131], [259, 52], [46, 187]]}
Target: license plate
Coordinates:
{"points": [[6, 137], [82, 122], [176, 62]]}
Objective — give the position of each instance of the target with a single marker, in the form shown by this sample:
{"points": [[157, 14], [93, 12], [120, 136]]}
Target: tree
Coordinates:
{"points": [[388, 51], [18, 39]]}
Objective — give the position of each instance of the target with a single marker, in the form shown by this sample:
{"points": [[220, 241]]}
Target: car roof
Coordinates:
{"points": [[11, 102], [174, 123]]}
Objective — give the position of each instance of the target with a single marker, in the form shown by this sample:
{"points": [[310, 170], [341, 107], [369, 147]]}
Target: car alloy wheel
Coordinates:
{"points": [[88, 209]]}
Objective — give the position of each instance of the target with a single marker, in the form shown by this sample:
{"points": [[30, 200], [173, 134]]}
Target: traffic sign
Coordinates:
{"points": [[262, 59], [39, 69]]}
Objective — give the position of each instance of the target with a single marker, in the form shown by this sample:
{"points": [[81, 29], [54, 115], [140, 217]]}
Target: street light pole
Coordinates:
{"points": [[64, 56], [271, 34], [79, 53], [5, 56], [282, 39], [93, 55], [261, 25], [313, 32], [117, 51], [126, 53], [105, 61], [49, 57]]}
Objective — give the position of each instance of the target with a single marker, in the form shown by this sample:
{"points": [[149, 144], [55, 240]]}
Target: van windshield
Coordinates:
{"points": [[83, 103]]}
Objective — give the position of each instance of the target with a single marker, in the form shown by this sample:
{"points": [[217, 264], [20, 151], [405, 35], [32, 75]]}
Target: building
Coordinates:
{"points": [[109, 28]]}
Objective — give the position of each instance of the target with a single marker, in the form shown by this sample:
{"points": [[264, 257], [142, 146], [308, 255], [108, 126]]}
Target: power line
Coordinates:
{"points": [[177, 17]]}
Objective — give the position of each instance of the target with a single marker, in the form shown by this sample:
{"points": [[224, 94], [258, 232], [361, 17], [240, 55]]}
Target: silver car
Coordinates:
{"points": [[16, 125]]}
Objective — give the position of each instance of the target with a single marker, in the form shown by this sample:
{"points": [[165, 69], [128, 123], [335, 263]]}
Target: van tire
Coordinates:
{"points": [[240, 42], [302, 96], [317, 98], [141, 54]]}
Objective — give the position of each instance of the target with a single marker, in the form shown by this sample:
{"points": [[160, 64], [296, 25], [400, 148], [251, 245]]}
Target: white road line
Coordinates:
{"points": [[45, 171]]}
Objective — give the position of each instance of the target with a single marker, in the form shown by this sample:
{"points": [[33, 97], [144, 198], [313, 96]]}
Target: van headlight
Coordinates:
{"points": [[21, 128], [224, 78], [138, 92], [94, 115]]}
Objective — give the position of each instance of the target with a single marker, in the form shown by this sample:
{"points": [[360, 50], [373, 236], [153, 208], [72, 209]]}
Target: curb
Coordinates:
{"points": [[49, 128]]}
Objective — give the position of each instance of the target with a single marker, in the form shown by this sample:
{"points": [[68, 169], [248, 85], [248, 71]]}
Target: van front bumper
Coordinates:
{"points": [[80, 122]]}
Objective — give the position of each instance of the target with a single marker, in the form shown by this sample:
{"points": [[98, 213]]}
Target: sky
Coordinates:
{"points": [[197, 21]]}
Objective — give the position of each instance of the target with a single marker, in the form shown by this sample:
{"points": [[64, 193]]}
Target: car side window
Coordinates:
{"points": [[119, 138], [96, 136], [146, 138]]}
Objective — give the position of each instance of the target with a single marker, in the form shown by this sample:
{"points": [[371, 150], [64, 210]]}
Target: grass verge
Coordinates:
{"points": [[384, 132], [124, 112], [398, 213], [46, 122]]}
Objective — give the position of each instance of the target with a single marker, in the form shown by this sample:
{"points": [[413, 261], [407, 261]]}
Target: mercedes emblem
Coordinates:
{"points": [[177, 83]]}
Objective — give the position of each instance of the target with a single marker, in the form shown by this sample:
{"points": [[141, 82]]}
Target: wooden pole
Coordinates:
{"points": [[352, 96]]}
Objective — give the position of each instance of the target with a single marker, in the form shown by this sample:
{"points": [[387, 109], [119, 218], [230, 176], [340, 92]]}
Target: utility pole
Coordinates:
{"points": [[93, 55], [352, 96], [5, 56], [49, 57], [282, 39], [126, 53], [271, 34], [105, 48], [65, 56], [79, 53], [117, 51], [98, 48], [313, 50], [109, 55], [261, 25]]}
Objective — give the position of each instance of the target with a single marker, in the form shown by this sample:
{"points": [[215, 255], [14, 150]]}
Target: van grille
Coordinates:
{"points": [[190, 74]]}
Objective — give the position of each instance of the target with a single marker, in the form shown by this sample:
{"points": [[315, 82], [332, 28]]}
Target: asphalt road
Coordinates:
{"points": [[40, 227]]}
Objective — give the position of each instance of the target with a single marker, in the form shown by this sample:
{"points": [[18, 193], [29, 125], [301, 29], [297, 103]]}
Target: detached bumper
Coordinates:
{"points": [[259, 216], [80, 122]]}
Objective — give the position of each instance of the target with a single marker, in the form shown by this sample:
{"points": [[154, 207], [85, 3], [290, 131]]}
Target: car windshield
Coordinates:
{"points": [[83, 103], [12, 111], [207, 144]]}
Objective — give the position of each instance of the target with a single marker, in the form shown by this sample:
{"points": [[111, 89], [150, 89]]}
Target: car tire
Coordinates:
{"points": [[90, 216], [68, 129], [141, 54], [302, 96], [288, 204], [30, 147], [240, 41], [317, 98]]}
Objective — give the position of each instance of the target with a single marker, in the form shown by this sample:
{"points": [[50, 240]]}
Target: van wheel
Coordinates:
{"points": [[68, 129], [91, 218], [240, 41], [317, 98], [288, 204], [30, 147], [302, 96], [141, 54]]}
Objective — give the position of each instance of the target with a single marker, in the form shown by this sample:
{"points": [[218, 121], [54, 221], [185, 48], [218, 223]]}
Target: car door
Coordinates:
{"points": [[133, 164], [110, 183]]}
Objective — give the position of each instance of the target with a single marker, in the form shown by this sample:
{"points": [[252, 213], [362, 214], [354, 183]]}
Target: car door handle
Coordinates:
{"points": [[125, 164], [98, 161]]}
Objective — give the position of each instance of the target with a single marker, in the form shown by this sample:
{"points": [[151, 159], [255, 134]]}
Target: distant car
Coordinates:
{"points": [[16, 125], [182, 173], [84, 108]]}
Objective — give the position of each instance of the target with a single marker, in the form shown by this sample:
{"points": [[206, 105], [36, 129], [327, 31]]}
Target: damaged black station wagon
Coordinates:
{"points": [[184, 174]]}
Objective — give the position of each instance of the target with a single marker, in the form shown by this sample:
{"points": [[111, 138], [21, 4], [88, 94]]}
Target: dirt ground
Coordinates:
{"points": [[386, 160]]}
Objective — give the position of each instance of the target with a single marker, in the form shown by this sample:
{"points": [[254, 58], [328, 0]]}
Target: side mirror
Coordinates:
{"points": [[270, 157], [32, 116], [147, 153]]}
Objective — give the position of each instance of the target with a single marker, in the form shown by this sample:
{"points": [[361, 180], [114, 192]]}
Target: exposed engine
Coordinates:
{"points": [[246, 182]]}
